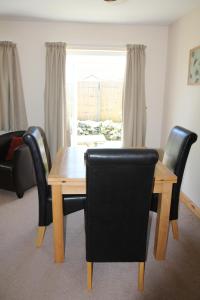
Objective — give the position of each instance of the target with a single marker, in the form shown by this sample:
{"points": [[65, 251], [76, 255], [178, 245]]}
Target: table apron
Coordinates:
{"points": [[80, 187], [73, 188], [159, 187]]}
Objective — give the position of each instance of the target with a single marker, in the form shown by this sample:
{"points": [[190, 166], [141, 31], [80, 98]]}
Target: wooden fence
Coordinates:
{"points": [[100, 101]]}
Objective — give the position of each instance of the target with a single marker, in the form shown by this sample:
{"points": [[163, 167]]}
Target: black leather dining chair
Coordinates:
{"points": [[35, 138], [175, 157], [119, 186]]}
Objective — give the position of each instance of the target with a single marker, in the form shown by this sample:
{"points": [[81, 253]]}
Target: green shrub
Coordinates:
{"points": [[111, 130]]}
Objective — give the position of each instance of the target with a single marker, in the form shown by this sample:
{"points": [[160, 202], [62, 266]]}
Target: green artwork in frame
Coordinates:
{"points": [[194, 67]]}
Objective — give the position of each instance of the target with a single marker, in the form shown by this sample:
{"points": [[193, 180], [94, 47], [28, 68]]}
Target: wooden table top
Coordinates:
{"points": [[69, 166]]}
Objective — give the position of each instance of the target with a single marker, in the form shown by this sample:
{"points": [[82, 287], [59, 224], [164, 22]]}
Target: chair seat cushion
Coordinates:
{"points": [[154, 202], [73, 203]]}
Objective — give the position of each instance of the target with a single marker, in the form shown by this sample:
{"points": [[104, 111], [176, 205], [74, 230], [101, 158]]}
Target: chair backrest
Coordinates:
{"points": [[46, 146], [175, 156], [119, 188], [34, 138]]}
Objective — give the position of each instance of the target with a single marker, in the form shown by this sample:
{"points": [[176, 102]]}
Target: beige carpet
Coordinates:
{"points": [[27, 273]]}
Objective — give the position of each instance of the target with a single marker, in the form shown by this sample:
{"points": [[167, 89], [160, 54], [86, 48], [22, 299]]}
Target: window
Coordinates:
{"points": [[94, 91]]}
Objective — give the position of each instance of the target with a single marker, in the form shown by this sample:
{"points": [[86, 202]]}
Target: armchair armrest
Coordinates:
{"points": [[23, 171], [5, 140]]}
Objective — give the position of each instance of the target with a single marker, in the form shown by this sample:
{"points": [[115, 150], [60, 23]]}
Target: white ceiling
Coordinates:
{"points": [[121, 12]]}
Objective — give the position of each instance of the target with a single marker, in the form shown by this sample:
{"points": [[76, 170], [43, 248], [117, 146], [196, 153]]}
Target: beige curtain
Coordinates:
{"points": [[134, 111], [56, 121], [12, 106]]}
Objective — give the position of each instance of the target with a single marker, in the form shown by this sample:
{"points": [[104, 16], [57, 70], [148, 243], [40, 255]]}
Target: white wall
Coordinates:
{"points": [[31, 36], [182, 102]]}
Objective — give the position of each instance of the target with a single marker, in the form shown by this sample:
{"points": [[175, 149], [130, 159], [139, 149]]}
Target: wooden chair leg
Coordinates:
{"points": [[89, 275], [141, 267], [175, 231], [40, 235]]}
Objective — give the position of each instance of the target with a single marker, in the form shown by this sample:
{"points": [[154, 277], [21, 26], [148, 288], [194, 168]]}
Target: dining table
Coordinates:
{"points": [[68, 176]]}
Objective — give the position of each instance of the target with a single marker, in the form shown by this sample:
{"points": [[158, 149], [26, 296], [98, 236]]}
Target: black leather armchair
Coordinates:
{"points": [[119, 189], [175, 157], [36, 140], [18, 174]]}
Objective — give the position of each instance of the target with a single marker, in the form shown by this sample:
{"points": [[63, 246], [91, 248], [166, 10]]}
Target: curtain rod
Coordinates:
{"points": [[113, 48]]}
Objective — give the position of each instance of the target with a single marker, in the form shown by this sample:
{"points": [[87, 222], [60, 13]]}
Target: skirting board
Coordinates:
{"points": [[190, 204]]}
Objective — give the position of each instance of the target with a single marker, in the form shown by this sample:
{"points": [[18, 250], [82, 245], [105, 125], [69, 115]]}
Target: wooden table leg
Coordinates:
{"points": [[162, 224], [58, 230]]}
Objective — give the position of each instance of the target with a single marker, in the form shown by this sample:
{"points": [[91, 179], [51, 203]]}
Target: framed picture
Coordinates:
{"points": [[194, 67]]}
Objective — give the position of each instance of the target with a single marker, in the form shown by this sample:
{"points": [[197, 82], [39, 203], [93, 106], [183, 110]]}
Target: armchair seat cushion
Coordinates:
{"points": [[6, 175], [6, 164]]}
